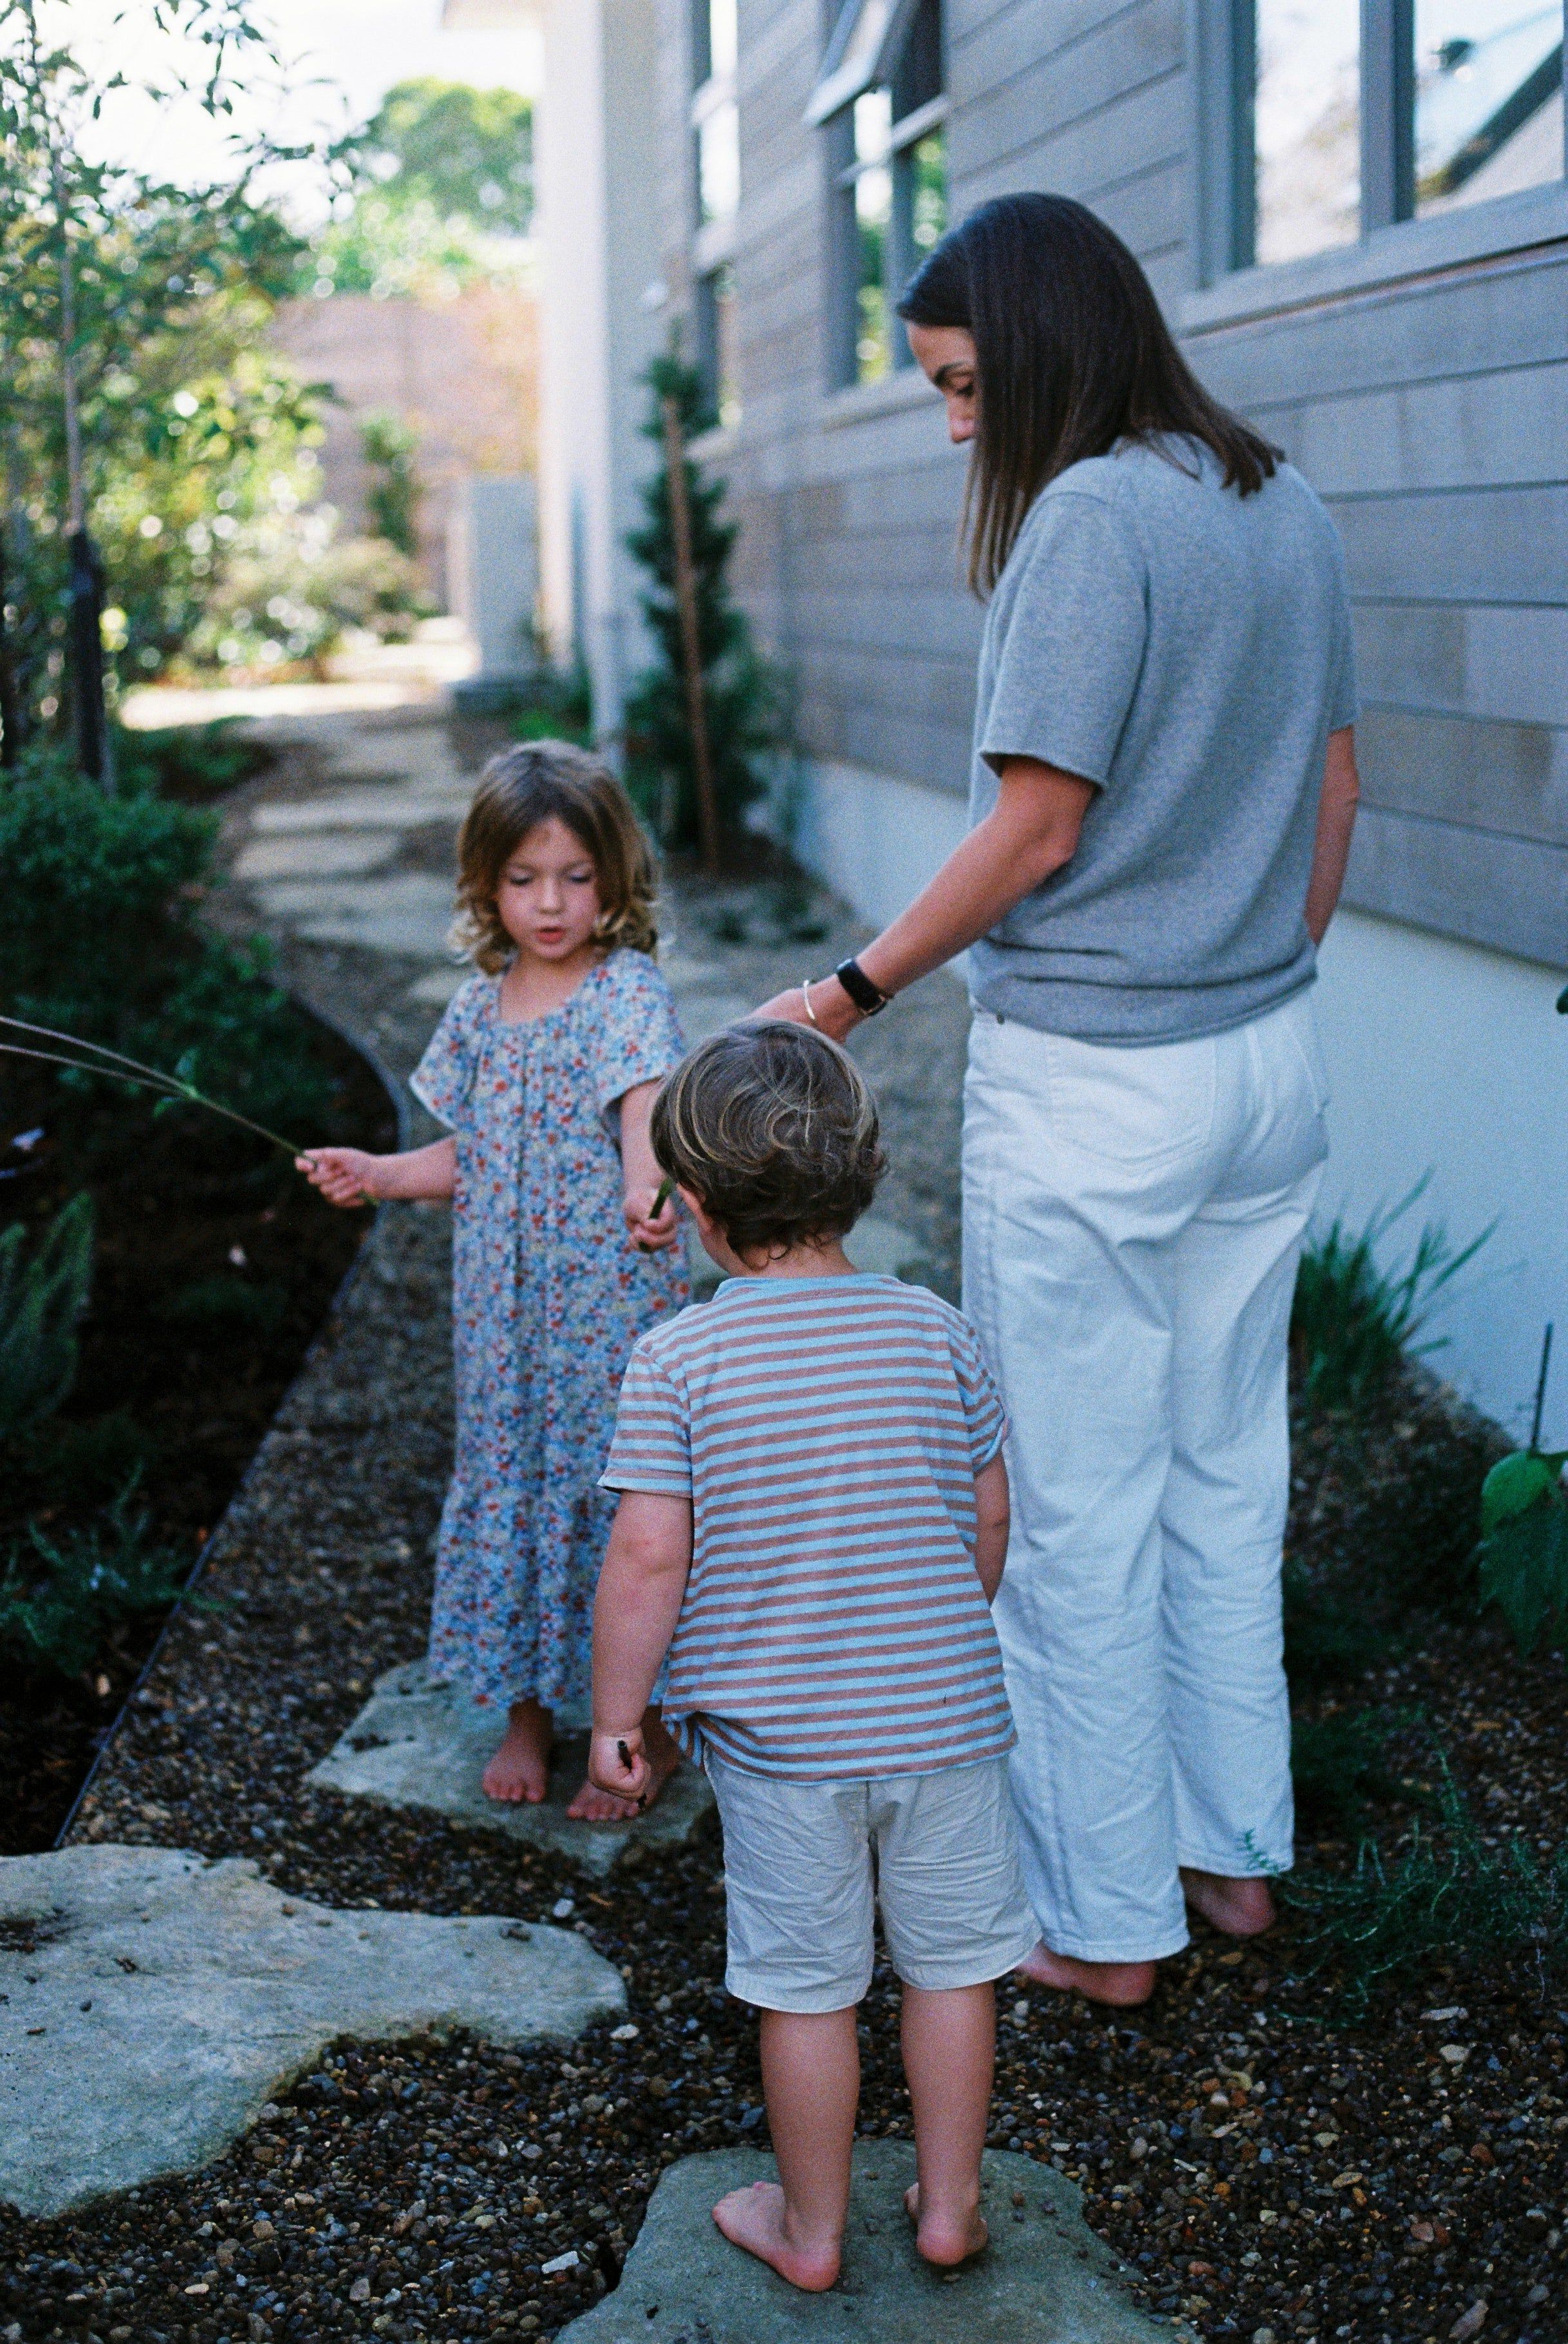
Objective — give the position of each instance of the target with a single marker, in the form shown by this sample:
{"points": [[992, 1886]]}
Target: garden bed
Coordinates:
{"points": [[1264, 2150], [213, 1266]]}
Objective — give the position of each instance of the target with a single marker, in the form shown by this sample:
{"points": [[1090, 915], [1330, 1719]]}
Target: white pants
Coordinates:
{"points": [[1132, 1220]]}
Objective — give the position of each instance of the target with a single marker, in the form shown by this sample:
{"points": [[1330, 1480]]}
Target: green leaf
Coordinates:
{"points": [[1524, 1570], [1519, 1482]]}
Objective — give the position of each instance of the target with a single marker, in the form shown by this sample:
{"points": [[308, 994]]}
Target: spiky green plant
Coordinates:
{"points": [[42, 1294], [62, 1598], [1352, 1321], [1442, 1891]]}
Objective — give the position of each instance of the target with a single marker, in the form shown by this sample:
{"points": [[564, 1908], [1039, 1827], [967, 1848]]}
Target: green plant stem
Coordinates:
{"points": [[166, 1086]]}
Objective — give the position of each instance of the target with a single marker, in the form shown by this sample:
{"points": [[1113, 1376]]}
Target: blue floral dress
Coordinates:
{"points": [[548, 1296]]}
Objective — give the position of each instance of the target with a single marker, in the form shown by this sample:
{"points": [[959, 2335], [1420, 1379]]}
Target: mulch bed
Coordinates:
{"points": [[213, 1266], [1262, 2160]]}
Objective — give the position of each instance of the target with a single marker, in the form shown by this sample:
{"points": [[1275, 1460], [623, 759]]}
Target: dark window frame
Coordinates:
{"points": [[1222, 47]]}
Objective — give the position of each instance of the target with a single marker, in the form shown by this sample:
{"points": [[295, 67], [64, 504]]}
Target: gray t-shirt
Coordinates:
{"points": [[1188, 650]]}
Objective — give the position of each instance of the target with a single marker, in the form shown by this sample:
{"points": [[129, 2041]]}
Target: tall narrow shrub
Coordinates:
{"points": [[741, 692]]}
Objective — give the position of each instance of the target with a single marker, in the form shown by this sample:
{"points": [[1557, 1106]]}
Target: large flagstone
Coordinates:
{"points": [[153, 2003], [1046, 2279]]}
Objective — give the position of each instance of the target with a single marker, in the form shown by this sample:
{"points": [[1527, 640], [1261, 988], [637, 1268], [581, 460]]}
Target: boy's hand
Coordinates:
{"points": [[650, 1232], [345, 1175], [617, 1763]]}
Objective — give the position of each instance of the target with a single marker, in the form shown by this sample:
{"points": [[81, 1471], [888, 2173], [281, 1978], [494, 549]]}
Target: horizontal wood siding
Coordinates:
{"points": [[1432, 416]]}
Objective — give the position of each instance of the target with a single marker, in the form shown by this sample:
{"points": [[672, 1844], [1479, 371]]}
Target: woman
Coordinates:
{"points": [[1163, 790]]}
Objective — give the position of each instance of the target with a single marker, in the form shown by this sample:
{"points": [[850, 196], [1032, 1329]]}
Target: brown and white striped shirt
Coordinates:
{"points": [[828, 1431]]}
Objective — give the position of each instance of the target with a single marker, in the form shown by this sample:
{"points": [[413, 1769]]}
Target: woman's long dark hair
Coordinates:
{"points": [[1072, 355]]}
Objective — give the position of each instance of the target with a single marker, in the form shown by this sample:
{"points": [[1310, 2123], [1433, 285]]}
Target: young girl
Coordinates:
{"points": [[544, 1067]]}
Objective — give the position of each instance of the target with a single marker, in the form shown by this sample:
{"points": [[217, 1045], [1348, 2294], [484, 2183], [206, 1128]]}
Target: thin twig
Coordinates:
{"points": [[166, 1086]]}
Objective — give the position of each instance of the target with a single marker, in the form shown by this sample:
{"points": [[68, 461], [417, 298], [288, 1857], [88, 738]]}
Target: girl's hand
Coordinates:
{"points": [[618, 1763], [345, 1175], [650, 1232]]}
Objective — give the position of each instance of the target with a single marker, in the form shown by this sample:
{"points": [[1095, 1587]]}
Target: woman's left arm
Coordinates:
{"points": [[1031, 832], [1336, 820], [640, 1174]]}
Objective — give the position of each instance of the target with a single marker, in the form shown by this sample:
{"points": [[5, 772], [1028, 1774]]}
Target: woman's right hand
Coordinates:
{"points": [[345, 1175]]}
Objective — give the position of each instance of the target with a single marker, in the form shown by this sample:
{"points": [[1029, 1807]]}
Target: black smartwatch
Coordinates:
{"points": [[867, 997]]}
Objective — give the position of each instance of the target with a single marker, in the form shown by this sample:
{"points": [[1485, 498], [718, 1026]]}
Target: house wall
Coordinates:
{"points": [[1420, 380]]}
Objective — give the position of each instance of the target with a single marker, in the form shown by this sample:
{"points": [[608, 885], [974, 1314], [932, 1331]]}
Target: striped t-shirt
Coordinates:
{"points": [[828, 1431]]}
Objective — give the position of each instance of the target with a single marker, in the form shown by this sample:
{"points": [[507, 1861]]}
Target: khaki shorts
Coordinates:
{"points": [[805, 1862]]}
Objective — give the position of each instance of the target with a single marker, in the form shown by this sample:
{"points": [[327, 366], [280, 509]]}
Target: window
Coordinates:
{"points": [[716, 352], [1488, 100], [716, 181], [1334, 117], [879, 98]]}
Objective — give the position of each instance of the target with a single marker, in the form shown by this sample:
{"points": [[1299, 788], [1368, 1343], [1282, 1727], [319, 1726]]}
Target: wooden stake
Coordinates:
{"points": [[691, 647]]}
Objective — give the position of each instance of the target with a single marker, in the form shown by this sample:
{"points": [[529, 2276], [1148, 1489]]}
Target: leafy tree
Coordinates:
{"points": [[442, 186], [743, 698], [468, 152]]}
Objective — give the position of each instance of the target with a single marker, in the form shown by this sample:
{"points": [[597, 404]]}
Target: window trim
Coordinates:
{"points": [[860, 52], [1393, 243]]}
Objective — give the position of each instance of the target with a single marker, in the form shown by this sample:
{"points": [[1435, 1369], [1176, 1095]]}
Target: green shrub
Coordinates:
{"points": [[61, 1599], [42, 1294], [227, 1304], [1351, 1322], [1442, 1893], [743, 694], [188, 762], [102, 938]]}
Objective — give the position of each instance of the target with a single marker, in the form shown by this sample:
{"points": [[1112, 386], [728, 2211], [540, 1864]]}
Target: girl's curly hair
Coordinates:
{"points": [[518, 790]]}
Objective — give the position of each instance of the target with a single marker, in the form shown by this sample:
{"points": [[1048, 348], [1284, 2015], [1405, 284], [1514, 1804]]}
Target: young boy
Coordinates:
{"points": [[813, 1523]]}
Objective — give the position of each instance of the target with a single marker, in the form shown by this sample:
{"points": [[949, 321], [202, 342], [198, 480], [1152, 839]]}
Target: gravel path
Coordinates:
{"points": [[1272, 2171]]}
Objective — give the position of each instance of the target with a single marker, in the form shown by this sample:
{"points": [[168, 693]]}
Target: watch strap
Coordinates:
{"points": [[868, 998]]}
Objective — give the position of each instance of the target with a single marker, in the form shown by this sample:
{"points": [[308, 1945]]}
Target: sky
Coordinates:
{"points": [[342, 55]]}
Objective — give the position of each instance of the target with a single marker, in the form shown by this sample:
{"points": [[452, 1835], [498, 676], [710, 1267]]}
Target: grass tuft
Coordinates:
{"points": [[1352, 1322], [1443, 1891]]}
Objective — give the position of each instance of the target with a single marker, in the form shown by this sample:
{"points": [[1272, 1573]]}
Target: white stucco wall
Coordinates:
{"points": [[1447, 1058], [1443, 1060], [594, 160]]}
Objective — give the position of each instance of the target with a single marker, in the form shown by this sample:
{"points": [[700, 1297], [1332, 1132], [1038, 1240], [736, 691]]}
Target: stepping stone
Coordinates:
{"points": [[437, 988], [153, 2003], [419, 1744], [1046, 2279], [389, 805], [409, 912], [316, 855]]}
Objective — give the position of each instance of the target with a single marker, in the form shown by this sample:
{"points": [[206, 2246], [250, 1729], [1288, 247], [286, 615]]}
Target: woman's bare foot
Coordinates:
{"points": [[945, 2244], [1239, 1908], [1122, 1985], [757, 2220], [593, 1805], [519, 1770]]}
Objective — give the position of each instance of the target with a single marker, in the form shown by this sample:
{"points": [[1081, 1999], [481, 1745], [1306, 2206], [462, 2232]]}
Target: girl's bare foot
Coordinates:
{"points": [[946, 2244], [1238, 1908], [1122, 1985], [519, 1770], [593, 1805], [758, 2219]]}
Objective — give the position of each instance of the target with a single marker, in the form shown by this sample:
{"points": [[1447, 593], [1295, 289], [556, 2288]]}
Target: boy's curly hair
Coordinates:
{"points": [[775, 1128], [518, 790]]}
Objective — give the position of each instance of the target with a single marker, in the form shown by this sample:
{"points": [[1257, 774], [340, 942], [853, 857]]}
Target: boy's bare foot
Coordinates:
{"points": [[593, 1805], [756, 2218], [520, 1771], [1122, 1985], [1239, 1908], [945, 2244]]}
